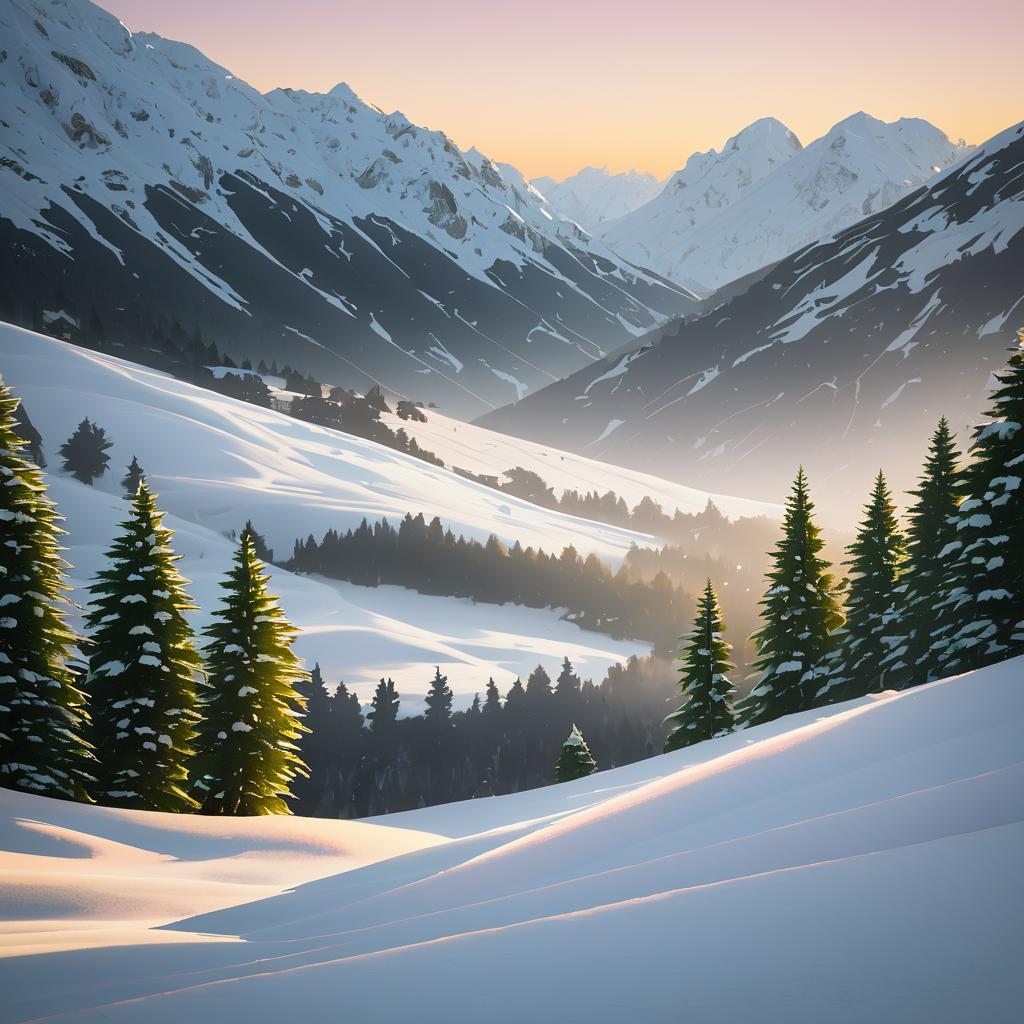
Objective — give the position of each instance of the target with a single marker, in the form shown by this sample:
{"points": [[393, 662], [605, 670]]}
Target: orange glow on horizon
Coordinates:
{"points": [[553, 88]]}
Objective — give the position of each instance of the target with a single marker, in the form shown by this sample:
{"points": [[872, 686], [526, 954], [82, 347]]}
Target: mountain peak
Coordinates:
{"points": [[762, 128]]}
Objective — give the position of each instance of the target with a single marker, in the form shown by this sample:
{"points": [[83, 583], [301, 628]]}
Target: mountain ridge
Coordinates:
{"points": [[140, 175], [867, 336], [765, 195]]}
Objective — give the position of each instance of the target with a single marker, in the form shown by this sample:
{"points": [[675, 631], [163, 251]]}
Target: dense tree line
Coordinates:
{"points": [[428, 558], [743, 539], [944, 596], [497, 745], [359, 415]]}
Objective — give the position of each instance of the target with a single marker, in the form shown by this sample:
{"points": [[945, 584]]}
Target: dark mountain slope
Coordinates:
{"points": [[842, 357]]}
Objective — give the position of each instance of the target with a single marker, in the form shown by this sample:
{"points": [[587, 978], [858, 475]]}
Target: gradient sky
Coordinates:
{"points": [[555, 85]]}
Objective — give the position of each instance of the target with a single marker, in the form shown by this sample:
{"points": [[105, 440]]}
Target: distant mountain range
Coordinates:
{"points": [[842, 357], [764, 196], [592, 196], [139, 180]]}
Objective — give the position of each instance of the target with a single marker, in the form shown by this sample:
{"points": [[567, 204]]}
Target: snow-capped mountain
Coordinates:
{"points": [[592, 196], [764, 196], [659, 231], [843, 357], [139, 175]]}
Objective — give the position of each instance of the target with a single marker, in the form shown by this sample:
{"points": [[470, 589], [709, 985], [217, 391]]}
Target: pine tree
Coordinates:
{"points": [[515, 703], [567, 685], [85, 452], [41, 707], [931, 530], [986, 585], [316, 746], [383, 711], [248, 755], [703, 666], [575, 760], [25, 429], [133, 478], [492, 700], [143, 669], [872, 629], [439, 702], [800, 612]]}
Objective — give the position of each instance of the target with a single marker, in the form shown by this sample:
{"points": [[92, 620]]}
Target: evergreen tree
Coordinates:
{"points": [[515, 700], [931, 535], [85, 452], [986, 589], [872, 629], [492, 700], [800, 612], [538, 690], [133, 478], [263, 551], [384, 707], [375, 399], [567, 685], [142, 669], [703, 666], [575, 760], [248, 754], [25, 429], [41, 707], [439, 702], [315, 745]]}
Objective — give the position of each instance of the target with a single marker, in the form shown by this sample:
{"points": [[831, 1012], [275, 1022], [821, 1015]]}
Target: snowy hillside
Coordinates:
{"points": [[592, 196], [485, 452], [150, 182], [855, 863], [763, 197], [842, 358], [216, 462]]}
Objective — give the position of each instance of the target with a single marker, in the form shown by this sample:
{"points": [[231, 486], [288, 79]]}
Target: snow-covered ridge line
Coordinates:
{"points": [[765, 195]]}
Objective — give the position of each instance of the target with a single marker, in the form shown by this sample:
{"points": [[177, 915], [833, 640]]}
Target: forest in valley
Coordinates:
{"points": [[138, 711]]}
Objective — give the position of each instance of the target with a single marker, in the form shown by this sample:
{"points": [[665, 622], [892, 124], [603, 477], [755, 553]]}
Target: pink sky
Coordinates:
{"points": [[554, 86]]}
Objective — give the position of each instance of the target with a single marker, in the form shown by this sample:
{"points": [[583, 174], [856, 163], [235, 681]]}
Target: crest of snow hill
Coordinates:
{"points": [[138, 174], [824, 359]]}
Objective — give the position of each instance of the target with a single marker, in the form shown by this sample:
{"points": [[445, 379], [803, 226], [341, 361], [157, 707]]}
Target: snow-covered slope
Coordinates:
{"points": [[592, 196], [137, 177], [485, 452], [842, 358], [763, 197], [851, 864], [216, 462]]}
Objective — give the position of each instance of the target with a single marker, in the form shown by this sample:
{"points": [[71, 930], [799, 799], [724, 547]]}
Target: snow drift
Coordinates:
{"points": [[856, 863]]}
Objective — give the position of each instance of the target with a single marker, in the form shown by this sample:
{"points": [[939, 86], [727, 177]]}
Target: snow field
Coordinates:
{"points": [[857, 863], [215, 462]]}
